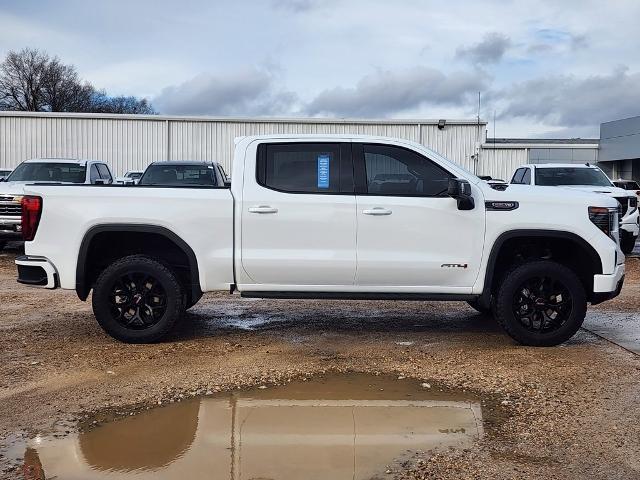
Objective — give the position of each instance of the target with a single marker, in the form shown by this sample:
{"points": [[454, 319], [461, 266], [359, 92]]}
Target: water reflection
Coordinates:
{"points": [[336, 427]]}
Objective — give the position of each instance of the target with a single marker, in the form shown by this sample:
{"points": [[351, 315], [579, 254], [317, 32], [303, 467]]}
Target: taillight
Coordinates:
{"points": [[605, 219], [31, 211]]}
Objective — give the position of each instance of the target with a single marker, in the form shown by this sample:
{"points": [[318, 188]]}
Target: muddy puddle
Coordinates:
{"points": [[339, 427]]}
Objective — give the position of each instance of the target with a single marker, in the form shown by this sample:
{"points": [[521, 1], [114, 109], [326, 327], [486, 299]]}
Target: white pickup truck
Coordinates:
{"points": [[332, 217]]}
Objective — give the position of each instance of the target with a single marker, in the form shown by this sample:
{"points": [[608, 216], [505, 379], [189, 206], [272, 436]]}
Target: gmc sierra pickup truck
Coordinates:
{"points": [[332, 217]]}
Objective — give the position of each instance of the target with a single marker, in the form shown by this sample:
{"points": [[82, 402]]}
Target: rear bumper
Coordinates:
{"points": [[606, 287], [37, 272]]}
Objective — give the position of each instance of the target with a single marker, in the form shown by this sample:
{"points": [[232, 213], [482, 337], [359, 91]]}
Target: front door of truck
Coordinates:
{"points": [[298, 215], [411, 235]]}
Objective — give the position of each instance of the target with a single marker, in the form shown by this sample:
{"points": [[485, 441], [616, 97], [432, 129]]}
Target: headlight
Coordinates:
{"points": [[605, 219]]}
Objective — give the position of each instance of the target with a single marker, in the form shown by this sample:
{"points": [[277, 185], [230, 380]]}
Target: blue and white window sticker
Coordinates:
{"points": [[323, 170]]}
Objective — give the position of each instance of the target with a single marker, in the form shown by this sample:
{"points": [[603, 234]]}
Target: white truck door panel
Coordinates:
{"points": [[297, 238], [422, 242], [409, 234]]}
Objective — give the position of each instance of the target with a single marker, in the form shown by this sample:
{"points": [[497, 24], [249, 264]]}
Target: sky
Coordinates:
{"points": [[544, 68]]}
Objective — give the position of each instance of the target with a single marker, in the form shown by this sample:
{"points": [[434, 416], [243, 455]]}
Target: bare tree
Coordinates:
{"points": [[31, 80], [21, 76]]}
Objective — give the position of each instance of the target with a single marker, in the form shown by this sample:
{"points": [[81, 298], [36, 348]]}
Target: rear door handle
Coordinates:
{"points": [[263, 209], [377, 211]]}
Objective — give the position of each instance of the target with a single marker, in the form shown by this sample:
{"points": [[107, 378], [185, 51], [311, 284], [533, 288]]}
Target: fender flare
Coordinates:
{"points": [[82, 289], [485, 297]]}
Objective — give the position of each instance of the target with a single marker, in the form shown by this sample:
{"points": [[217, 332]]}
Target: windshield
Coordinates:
{"points": [[134, 175], [628, 185], [48, 172], [571, 176], [177, 175]]}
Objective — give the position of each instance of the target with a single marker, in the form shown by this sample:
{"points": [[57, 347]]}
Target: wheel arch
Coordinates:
{"points": [[595, 262], [83, 280]]}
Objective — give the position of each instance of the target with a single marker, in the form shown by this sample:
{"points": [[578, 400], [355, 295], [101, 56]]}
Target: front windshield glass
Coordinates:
{"points": [[571, 176], [48, 172], [178, 175], [134, 175]]}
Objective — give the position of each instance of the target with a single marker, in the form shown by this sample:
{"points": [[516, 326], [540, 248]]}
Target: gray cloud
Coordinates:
{"points": [[247, 92], [297, 6], [490, 49], [387, 93], [568, 101]]}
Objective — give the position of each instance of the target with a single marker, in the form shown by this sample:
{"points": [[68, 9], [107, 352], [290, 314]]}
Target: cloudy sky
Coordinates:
{"points": [[545, 68]]}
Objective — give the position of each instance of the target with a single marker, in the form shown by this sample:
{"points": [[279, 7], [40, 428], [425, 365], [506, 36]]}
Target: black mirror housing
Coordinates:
{"points": [[460, 189]]}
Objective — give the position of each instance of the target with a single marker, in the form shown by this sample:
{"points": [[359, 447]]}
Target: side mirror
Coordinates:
{"points": [[461, 190]]}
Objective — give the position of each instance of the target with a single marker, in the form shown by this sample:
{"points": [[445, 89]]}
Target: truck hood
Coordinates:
{"points": [[549, 196], [611, 191]]}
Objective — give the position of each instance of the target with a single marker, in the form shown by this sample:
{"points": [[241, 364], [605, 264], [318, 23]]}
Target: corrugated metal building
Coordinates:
{"points": [[130, 142], [620, 148]]}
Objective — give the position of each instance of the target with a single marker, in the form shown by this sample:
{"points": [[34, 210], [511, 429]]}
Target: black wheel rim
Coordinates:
{"points": [[137, 300], [542, 304]]}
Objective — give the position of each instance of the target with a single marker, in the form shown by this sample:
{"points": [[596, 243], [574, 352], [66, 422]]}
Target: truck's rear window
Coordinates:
{"points": [[48, 172], [177, 175]]}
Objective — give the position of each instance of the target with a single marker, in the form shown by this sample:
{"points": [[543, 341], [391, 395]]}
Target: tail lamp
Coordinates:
{"points": [[31, 211]]}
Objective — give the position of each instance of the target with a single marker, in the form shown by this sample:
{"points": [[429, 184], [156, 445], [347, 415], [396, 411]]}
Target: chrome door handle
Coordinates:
{"points": [[377, 211], [263, 209]]}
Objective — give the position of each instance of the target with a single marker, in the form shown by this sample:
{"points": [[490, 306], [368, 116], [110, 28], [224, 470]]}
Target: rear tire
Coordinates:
{"points": [[137, 299], [541, 303], [627, 244]]}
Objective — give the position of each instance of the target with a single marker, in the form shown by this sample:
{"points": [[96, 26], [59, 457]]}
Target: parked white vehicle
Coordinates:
{"points": [[43, 170], [587, 178], [328, 216], [4, 173]]}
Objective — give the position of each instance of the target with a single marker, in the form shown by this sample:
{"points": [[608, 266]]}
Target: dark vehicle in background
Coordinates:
{"points": [[184, 173], [43, 170]]}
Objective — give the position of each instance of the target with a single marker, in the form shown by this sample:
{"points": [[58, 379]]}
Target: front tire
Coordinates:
{"points": [[541, 303], [137, 299], [627, 244]]}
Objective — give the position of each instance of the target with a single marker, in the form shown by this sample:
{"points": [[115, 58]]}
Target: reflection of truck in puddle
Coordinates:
{"points": [[245, 438]]}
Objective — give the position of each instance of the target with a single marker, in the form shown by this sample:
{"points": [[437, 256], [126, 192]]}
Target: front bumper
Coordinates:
{"points": [[37, 272], [606, 287]]}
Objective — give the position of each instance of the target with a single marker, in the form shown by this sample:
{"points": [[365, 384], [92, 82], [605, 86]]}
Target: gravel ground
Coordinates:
{"points": [[565, 412]]}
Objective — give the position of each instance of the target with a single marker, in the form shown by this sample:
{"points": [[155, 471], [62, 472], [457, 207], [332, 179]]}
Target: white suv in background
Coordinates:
{"points": [[587, 178]]}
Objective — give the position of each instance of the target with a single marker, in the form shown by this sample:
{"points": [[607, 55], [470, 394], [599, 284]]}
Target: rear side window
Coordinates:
{"points": [[304, 167], [397, 171], [517, 177], [94, 174], [104, 172]]}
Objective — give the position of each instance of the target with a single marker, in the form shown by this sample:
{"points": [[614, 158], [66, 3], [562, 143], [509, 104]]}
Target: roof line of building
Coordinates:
{"points": [[186, 118]]}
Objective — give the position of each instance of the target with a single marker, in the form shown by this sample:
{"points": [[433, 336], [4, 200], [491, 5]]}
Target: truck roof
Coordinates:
{"points": [[58, 160], [562, 165]]}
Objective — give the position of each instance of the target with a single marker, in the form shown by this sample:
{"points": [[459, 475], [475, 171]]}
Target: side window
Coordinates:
{"points": [[391, 170], [526, 178], [304, 167], [517, 176], [94, 174], [104, 172]]}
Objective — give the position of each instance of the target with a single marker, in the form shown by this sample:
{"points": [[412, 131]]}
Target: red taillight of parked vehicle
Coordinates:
{"points": [[31, 211]]}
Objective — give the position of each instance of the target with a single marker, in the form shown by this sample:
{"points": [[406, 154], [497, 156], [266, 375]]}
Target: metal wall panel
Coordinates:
{"points": [[131, 142], [502, 162]]}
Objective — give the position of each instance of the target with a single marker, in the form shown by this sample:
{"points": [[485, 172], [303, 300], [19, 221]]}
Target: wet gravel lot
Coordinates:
{"points": [[564, 412]]}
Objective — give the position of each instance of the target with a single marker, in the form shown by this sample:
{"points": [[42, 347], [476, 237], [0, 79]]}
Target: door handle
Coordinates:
{"points": [[263, 209], [377, 211]]}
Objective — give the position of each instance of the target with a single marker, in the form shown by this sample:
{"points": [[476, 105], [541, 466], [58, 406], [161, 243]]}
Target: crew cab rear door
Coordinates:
{"points": [[411, 235], [298, 215]]}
